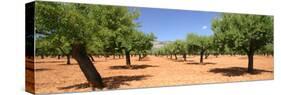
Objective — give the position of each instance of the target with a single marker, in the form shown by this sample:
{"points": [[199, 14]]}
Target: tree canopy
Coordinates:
{"points": [[81, 30], [243, 32], [199, 44]]}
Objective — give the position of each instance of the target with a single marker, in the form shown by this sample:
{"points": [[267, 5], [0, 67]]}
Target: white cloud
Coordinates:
{"points": [[204, 27]]}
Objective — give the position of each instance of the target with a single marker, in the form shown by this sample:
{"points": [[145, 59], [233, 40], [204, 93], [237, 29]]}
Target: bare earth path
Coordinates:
{"points": [[54, 76]]}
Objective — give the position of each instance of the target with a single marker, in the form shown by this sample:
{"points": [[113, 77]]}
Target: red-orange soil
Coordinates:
{"points": [[54, 76]]}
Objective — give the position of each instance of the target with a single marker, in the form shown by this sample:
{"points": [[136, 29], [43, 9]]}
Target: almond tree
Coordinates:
{"points": [[143, 43], [244, 32], [182, 48], [199, 43], [78, 24]]}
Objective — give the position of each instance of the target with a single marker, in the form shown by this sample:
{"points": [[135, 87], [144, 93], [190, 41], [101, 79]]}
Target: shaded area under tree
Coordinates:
{"points": [[204, 63], [132, 67], [38, 69], [56, 61], [112, 82], [237, 71]]}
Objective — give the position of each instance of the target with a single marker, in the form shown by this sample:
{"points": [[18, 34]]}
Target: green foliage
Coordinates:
{"points": [[243, 32], [247, 33], [101, 28], [170, 48], [180, 47], [198, 43], [142, 42], [176, 47], [266, 50]]}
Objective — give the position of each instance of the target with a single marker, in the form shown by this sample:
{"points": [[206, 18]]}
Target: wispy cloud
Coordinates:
{"points": [[204, 27]]}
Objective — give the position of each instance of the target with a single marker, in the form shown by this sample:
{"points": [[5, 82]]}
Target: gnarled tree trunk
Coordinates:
{"points": [[92, 75]]}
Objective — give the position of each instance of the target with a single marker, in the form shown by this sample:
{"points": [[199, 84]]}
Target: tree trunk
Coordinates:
{"points": [[113, 54], [176, 57], [92, 75], [201, 56], [250, 63], [184, 57], [144, 55], [139, 57], [68, 59], [42, 56], [128, 60], [67, 55], [91, 57], [216, 54], [58, 56]]}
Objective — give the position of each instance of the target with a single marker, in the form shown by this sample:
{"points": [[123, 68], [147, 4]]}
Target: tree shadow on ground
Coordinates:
{"points": [[236, 71], [132, 67], [49, 61], [38, 69], [71, 64], [112, 82], [197, 63], [182, 60], [116, 81], [178, 60]]}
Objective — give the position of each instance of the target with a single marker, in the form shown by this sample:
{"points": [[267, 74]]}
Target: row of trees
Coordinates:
{"points": [[233, 34], [80, 31], [193, 45]]}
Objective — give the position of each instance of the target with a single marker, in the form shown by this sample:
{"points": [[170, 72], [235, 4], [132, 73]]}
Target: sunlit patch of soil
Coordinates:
{"points": [[54, 76]]}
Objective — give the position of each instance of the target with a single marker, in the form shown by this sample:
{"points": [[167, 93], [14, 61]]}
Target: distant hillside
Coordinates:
{"points": [[159, 44]]}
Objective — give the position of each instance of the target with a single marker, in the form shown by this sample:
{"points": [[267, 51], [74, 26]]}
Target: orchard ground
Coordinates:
{"points": [[52, 75]]}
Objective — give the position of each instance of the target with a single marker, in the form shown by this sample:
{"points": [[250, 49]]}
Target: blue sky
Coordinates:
{"points": [[169, 25]]}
